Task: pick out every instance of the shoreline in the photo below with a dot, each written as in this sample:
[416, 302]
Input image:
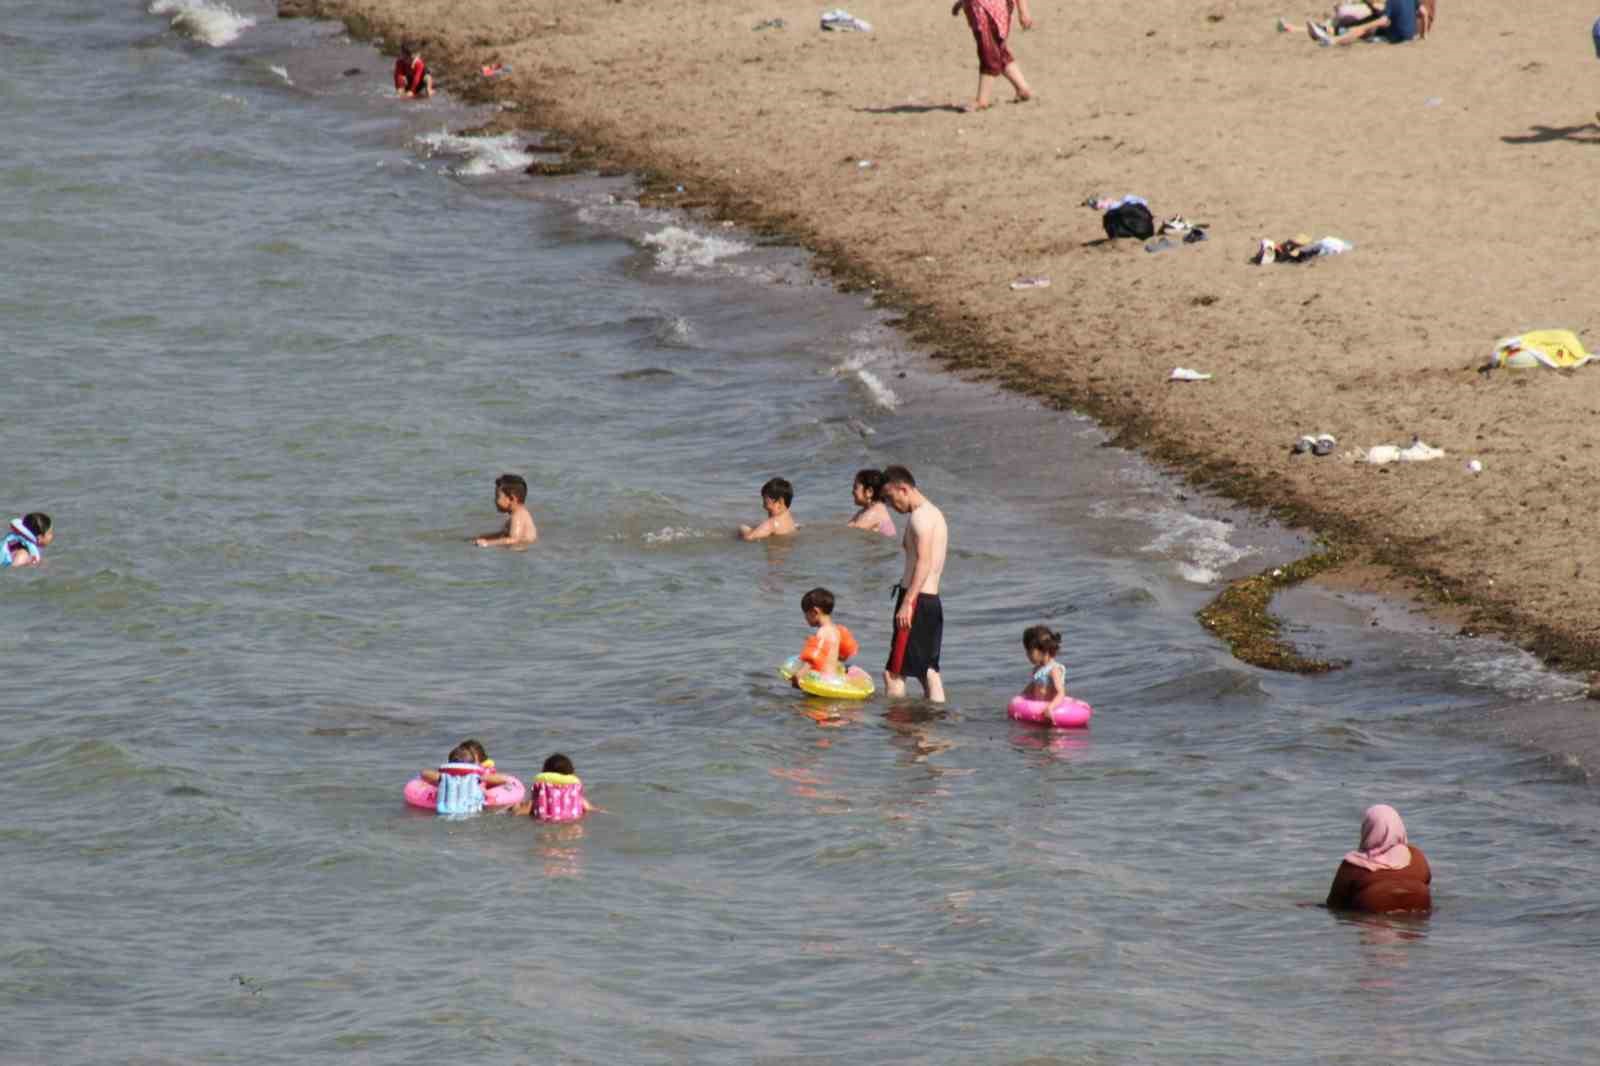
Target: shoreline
[1362, 545]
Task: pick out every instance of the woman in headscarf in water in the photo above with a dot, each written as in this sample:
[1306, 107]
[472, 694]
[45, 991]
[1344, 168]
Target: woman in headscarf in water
[1387, 873]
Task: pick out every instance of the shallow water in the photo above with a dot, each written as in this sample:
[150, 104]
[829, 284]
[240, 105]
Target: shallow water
[270, 337]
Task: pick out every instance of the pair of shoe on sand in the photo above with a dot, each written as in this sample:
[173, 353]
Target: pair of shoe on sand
[1321, 444]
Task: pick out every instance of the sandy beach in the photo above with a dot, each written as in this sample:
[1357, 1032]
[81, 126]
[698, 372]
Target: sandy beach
[1458, 167]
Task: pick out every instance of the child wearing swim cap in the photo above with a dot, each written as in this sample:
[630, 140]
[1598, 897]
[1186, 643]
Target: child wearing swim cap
[1049, 680]
[831, 645]
[868, 494]
[557, 793]
[776, 496]
[24, 541]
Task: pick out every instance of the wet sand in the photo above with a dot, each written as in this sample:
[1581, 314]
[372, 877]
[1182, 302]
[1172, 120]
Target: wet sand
[1459, 167]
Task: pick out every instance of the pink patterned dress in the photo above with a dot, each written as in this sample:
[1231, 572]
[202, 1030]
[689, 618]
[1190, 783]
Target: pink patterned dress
[991, 25]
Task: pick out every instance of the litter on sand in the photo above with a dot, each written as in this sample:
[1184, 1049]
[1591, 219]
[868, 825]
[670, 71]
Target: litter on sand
[1191, 235]
[840, 19]
[1298, 249]
[1030, 283]
[768, 24]
[1558, 349]
[1475, 466]
[1183, 373]
[1416, 452]
[1106, 203]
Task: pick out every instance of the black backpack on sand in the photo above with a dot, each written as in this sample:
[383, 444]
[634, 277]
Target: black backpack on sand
[1129, 220]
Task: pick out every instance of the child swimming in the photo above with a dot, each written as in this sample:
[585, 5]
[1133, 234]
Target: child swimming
[868, 494]
[29, 534]
[557, 794]
[827, 649]
[466, 775]
[1049, 681]
[776, 496]
[510, 499]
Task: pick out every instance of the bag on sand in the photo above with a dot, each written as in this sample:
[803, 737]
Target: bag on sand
[1129, 220]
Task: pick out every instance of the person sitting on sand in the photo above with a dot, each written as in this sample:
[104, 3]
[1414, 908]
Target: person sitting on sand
[1387, 873]
[776, 496]
[1399, 21]
[411, 75]
[1340, 19]
[510, 498]
[991, 25]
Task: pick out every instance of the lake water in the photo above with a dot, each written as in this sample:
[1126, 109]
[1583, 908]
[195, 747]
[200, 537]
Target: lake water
[268, 339]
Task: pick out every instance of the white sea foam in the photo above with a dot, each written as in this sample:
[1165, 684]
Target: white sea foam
[1513, 672]
[207, 21]
[480, 156]
[670, 534]
[1205, 541]
[857, 366]
[677, 332]
[1204, 545]
[882, 395]
[683, 251]
[282, 72]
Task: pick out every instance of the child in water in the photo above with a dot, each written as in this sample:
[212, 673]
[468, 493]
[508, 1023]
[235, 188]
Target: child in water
[776, 496]
[1049, 681]
[826, 651]
[411, 75]
[557, 793]
[469, 753]
[510, 499]
[462, 783]
[868, 494]
[22, 545]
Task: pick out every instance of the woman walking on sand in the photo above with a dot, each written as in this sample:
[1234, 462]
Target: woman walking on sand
[991, 25]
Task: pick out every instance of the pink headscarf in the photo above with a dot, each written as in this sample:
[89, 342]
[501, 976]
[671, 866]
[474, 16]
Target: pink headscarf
[1383, 841]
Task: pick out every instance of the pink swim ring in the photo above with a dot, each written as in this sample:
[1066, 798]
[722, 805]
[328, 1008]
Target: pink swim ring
[1071, 714]
[419, 793]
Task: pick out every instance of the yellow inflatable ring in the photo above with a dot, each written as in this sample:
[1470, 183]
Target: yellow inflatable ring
[856, 684]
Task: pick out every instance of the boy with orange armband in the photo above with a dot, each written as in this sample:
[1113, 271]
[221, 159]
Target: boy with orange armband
[831, 645]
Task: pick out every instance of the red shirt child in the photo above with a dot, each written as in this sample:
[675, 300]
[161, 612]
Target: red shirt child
[411, 76]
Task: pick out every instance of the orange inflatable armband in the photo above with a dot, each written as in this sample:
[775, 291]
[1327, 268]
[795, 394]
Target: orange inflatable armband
[847, 644]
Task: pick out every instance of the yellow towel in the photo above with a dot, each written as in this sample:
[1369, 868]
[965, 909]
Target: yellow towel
[1555, 348]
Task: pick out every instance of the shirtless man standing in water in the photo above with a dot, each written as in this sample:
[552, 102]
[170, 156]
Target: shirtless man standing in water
[918, 614]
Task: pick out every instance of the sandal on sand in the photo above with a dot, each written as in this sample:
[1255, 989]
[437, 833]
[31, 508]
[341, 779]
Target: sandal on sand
[1319, 34]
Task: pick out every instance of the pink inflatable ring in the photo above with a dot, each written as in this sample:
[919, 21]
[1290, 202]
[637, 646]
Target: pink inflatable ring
[1071, 714]
[419, 793]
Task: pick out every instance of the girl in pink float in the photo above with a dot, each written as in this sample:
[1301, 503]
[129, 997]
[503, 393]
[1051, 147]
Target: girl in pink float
[557, 793]
[1044, 701]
